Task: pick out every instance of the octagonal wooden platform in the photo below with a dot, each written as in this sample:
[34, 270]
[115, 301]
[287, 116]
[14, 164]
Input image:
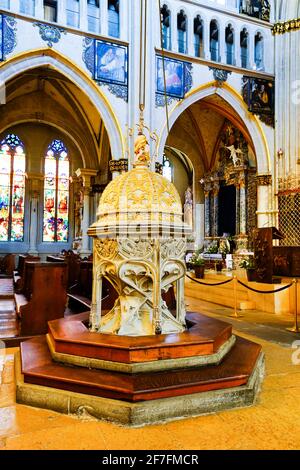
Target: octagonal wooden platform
[204, 337]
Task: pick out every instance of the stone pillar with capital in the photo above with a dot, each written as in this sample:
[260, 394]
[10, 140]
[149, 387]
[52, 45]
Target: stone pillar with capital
[264, 213]
[34, 191]
[237, 210]
[85, 175]
[215, 199]
[243, 205]
[207, 212]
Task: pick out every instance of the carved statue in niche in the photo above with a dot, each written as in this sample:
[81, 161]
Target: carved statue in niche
[78, 209]
[188, 207]
[234, 155]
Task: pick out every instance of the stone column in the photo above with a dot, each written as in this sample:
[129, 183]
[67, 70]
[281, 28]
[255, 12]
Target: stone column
[83, 23]
[14, 6]
[237, 210]
[34, 191]
[206, 40]
[190, 37]
[243, 206]
[174, 34]
[207, 213]
[251, 49]
[264, 209]
[237, 48]
[85, 175]
[222, 49]
[104, 17]
[39, 9]
[62, 12]
[215, 194]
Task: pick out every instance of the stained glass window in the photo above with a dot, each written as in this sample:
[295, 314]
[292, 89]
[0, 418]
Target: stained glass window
[12, 189]
[56, 194]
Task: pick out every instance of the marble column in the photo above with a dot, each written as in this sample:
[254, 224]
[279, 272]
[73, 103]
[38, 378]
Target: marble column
[35, 181]
[207, 213]
[86, 175]
[237, 209]
[243, 207]
[215, 194]
[34, 203]
[264, 208]
[104, 17]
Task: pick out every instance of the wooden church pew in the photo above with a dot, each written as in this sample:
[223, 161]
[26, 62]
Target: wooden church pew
[43, 297]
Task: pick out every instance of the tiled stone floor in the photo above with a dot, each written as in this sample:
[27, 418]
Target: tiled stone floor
[274, 423]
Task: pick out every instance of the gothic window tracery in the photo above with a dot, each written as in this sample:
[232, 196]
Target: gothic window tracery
[12, 189]
[56, 193]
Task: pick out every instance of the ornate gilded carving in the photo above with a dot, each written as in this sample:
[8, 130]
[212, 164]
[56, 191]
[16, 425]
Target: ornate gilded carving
[264, 180]
[106, 249]
[130, 248]
[286, 27]
[118, 165]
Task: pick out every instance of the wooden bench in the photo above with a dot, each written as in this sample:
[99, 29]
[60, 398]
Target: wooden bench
[72, 261]
[43, 296]
[7, 266]
[18, 275]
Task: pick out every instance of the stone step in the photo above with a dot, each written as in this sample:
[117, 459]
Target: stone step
[7, 384]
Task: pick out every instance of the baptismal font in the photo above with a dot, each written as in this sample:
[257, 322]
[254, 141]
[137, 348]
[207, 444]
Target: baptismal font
[142, 361]
[139, 247]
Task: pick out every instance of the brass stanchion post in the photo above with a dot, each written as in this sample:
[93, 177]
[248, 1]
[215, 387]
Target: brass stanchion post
[295, 328]
[235, 314]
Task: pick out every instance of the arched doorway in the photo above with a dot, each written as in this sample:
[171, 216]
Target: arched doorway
[221, 146]
[47, 101]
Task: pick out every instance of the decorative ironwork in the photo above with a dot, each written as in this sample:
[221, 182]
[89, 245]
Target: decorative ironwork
[259, 95]
[264, 180]
[289, 220]
[289, 209]
[50, 34]
[8, 37]
[286, 27]
[118, 165]
[220, 75]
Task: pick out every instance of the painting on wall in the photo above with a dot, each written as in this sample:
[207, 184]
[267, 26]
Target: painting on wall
[111, 64]
[256, 8]
[174, 82]
[259, 94]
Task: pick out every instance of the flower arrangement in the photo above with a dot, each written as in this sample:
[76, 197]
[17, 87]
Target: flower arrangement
[197, 259]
